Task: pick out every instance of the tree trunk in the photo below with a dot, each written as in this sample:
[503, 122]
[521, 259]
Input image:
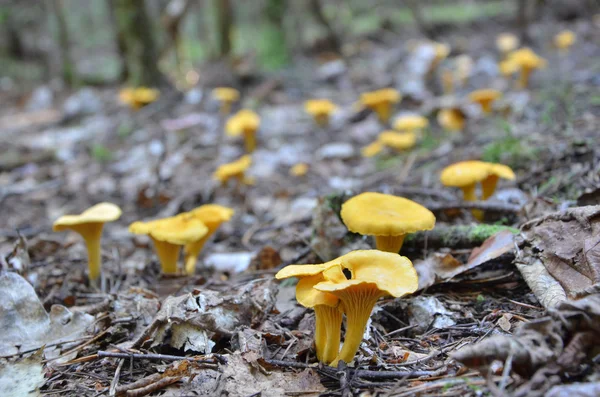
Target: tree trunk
[332, 38]
[135, 26]
[171, 20]
[274, 52]
[120, 39]
[64, 47]
[523, 21]
[417, 14]
[225, 21]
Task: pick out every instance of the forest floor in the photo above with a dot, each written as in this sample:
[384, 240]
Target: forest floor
[132, 333]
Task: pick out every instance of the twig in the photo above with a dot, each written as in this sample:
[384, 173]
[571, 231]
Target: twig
[113, 385]
[151, 388]
[77, 348]
[493, 206]
[150, 356]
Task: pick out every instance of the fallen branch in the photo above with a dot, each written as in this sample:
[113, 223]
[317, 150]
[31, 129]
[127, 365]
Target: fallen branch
[453, 236]
[149, 356]
[492, 206]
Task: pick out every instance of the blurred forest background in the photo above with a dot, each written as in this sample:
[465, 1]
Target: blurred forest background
[186, 42]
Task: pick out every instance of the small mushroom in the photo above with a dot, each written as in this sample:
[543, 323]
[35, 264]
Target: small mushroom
[328, 317]
[372, 149]
[466, 174]
[381, 102]
[464, 67]
[451, 119]
[526, 61]
[226, 96]
[299, 169]
[374, 274]
[410, 123]
[485, 98]
[507, 42]
[320, 110]
[138, 97]
[234, 170]
[246, 123]
[388, 218]
[169, 235]
[89, 225]
[212, 215]
[564, 40]
[398, 140]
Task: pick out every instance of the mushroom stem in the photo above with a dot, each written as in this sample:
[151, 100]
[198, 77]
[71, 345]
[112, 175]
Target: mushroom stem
[322, 119]
[486, 106]
[167, 256]
[358, 302]
[524, 78]
[327, 332]
[191, 252]
[488, 186]
[250, 140]
[225, 108]
[389, 243]
[92, 234]
[384, 111]
[469, 195]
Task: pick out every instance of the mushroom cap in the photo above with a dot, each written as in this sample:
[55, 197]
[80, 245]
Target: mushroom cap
[391, 273]
[441, 51]
[212, 215]
[465, 173]
[99, 213]
[410, 122]
[380, 214]
[244, 120]
[485, 95]
[226, 94]
[319, 106]
[526, 58]
[299, 270]
[451, 119]
[235, 168]
[508, 67]
[371, 149]
[180, 229]
[398, 140]
[145, 94]
[308, 296]
[564, 39]
[385, 95]
[299, 169]
[506, 42]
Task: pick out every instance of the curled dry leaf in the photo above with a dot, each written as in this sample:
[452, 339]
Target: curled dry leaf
[545, 347]
[196, 320]
[25, 325]
[568, 245]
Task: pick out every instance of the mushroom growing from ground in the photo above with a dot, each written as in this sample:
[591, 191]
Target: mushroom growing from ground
[388, 218]
[89, 225]
[464, 67]
[526, 61]
[299, 169]
[564, 40]
[328, 317]
[485, 98]
[138, 97]
[374, 274]
[506, 42]
[398, 141]
[372, 149]
[320, 110]
[234, 170]
[212, 215]
[466, 174]
[226, 96]
[169, 235]
[381, 102]
[410, 123]
[451, 119]
[246, 123]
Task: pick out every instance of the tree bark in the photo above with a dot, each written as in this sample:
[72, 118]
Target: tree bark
[332, 38]
[225, 21]
[274, 52]
[120, 40]
[135, 26]
[64, 46]
[523, 21]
